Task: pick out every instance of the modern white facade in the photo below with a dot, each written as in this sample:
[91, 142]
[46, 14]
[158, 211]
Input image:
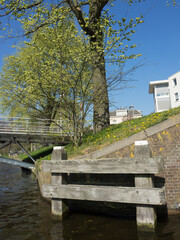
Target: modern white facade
[121, 115]
[174, 86]
[166, 92]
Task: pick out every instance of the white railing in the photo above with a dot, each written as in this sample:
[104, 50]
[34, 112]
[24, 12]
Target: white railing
[27, 125]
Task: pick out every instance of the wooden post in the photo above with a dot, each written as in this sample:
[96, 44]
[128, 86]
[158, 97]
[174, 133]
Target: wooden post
[59, 207]
[145, 216]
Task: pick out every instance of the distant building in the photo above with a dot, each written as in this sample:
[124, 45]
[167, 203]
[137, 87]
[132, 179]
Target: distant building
[121, 115]
[166, 92]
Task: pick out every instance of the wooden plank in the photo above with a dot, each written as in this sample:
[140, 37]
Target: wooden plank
[143, 196]
[145, 216]
[109, 166]
[58, 207]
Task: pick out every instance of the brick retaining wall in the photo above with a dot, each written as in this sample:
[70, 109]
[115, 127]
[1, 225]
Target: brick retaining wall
[164, 140]
[166, 144]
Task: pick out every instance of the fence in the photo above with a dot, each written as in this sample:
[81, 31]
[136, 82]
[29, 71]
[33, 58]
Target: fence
[27, 125]
[144, 195]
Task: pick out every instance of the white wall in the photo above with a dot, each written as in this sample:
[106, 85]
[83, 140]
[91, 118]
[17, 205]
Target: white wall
[120, 119]
[174, 89]
[161, 97]
[121, 112]
[116, 120]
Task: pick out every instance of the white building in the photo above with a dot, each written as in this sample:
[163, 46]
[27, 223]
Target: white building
[166, 92]
[121, 115]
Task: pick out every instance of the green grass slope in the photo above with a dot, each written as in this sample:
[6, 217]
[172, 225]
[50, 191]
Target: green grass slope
[113, 133]
[37, 154]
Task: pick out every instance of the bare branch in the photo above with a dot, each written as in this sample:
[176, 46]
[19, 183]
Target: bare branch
[79, 15]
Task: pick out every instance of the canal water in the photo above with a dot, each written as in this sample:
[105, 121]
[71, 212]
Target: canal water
[24, 215]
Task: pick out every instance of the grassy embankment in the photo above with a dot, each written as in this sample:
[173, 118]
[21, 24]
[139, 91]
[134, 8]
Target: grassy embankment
[108, 136]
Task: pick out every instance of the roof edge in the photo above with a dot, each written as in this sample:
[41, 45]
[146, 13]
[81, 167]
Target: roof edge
[153, 83]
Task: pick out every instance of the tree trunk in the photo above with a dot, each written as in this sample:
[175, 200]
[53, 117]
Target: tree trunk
[93, 29]
[100, 91]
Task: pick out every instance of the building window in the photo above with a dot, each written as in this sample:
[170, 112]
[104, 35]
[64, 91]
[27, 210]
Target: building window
[162, 94]
[114, 121]
[175, 82]
[176, 97]
[121, 112]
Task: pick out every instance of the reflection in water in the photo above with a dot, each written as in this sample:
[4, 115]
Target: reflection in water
[24, 215]
[57, 231]
[97, 227]
[146, 236]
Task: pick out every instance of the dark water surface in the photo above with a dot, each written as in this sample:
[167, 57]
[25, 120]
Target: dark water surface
[24, 215]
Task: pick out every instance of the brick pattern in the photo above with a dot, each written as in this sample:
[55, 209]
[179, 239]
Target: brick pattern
[166, 144]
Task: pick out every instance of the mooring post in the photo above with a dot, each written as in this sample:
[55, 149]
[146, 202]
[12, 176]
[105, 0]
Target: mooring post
[59, 208]
[145, 216]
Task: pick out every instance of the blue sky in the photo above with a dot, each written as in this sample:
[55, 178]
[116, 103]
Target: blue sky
[158, 39]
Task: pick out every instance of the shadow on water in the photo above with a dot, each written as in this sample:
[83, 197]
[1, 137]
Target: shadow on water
[24, 215]
[88, 227]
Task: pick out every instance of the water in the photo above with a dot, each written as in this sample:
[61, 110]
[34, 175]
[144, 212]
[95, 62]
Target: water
[24, 215]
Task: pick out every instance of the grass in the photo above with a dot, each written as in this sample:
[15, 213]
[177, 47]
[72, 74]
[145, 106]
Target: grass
[38, 154]
[118, 132]
[92, 142]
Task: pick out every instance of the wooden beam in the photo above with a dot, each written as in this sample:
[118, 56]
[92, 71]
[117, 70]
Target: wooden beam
[132, 195]
[59, 208]
[145, 216]
[110, 166]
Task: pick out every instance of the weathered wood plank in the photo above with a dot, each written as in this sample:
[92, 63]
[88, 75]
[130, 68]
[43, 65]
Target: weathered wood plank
[145, 216]
[109, 166]
[143, 196]
[58, 207]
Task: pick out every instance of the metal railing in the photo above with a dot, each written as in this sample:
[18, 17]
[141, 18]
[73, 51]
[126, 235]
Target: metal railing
[33, 126]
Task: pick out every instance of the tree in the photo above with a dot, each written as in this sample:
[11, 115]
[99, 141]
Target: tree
[92, 27]
[50, 77]
[96, 24]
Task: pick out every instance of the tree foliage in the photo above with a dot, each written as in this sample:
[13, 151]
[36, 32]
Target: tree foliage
[106, 37]
[50, 77]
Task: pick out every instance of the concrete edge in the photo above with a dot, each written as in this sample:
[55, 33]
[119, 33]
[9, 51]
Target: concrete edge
[170, 122]
[163, 125]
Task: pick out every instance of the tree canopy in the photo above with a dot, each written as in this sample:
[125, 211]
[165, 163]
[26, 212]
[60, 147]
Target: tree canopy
[50, 77]
[105, 36]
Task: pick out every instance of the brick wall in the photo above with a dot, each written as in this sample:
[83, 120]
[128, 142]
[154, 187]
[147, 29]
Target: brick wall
[165, 143]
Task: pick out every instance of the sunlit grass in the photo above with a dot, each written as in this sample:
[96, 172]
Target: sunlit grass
[114, 133]
[38, 154]
[118, 132]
